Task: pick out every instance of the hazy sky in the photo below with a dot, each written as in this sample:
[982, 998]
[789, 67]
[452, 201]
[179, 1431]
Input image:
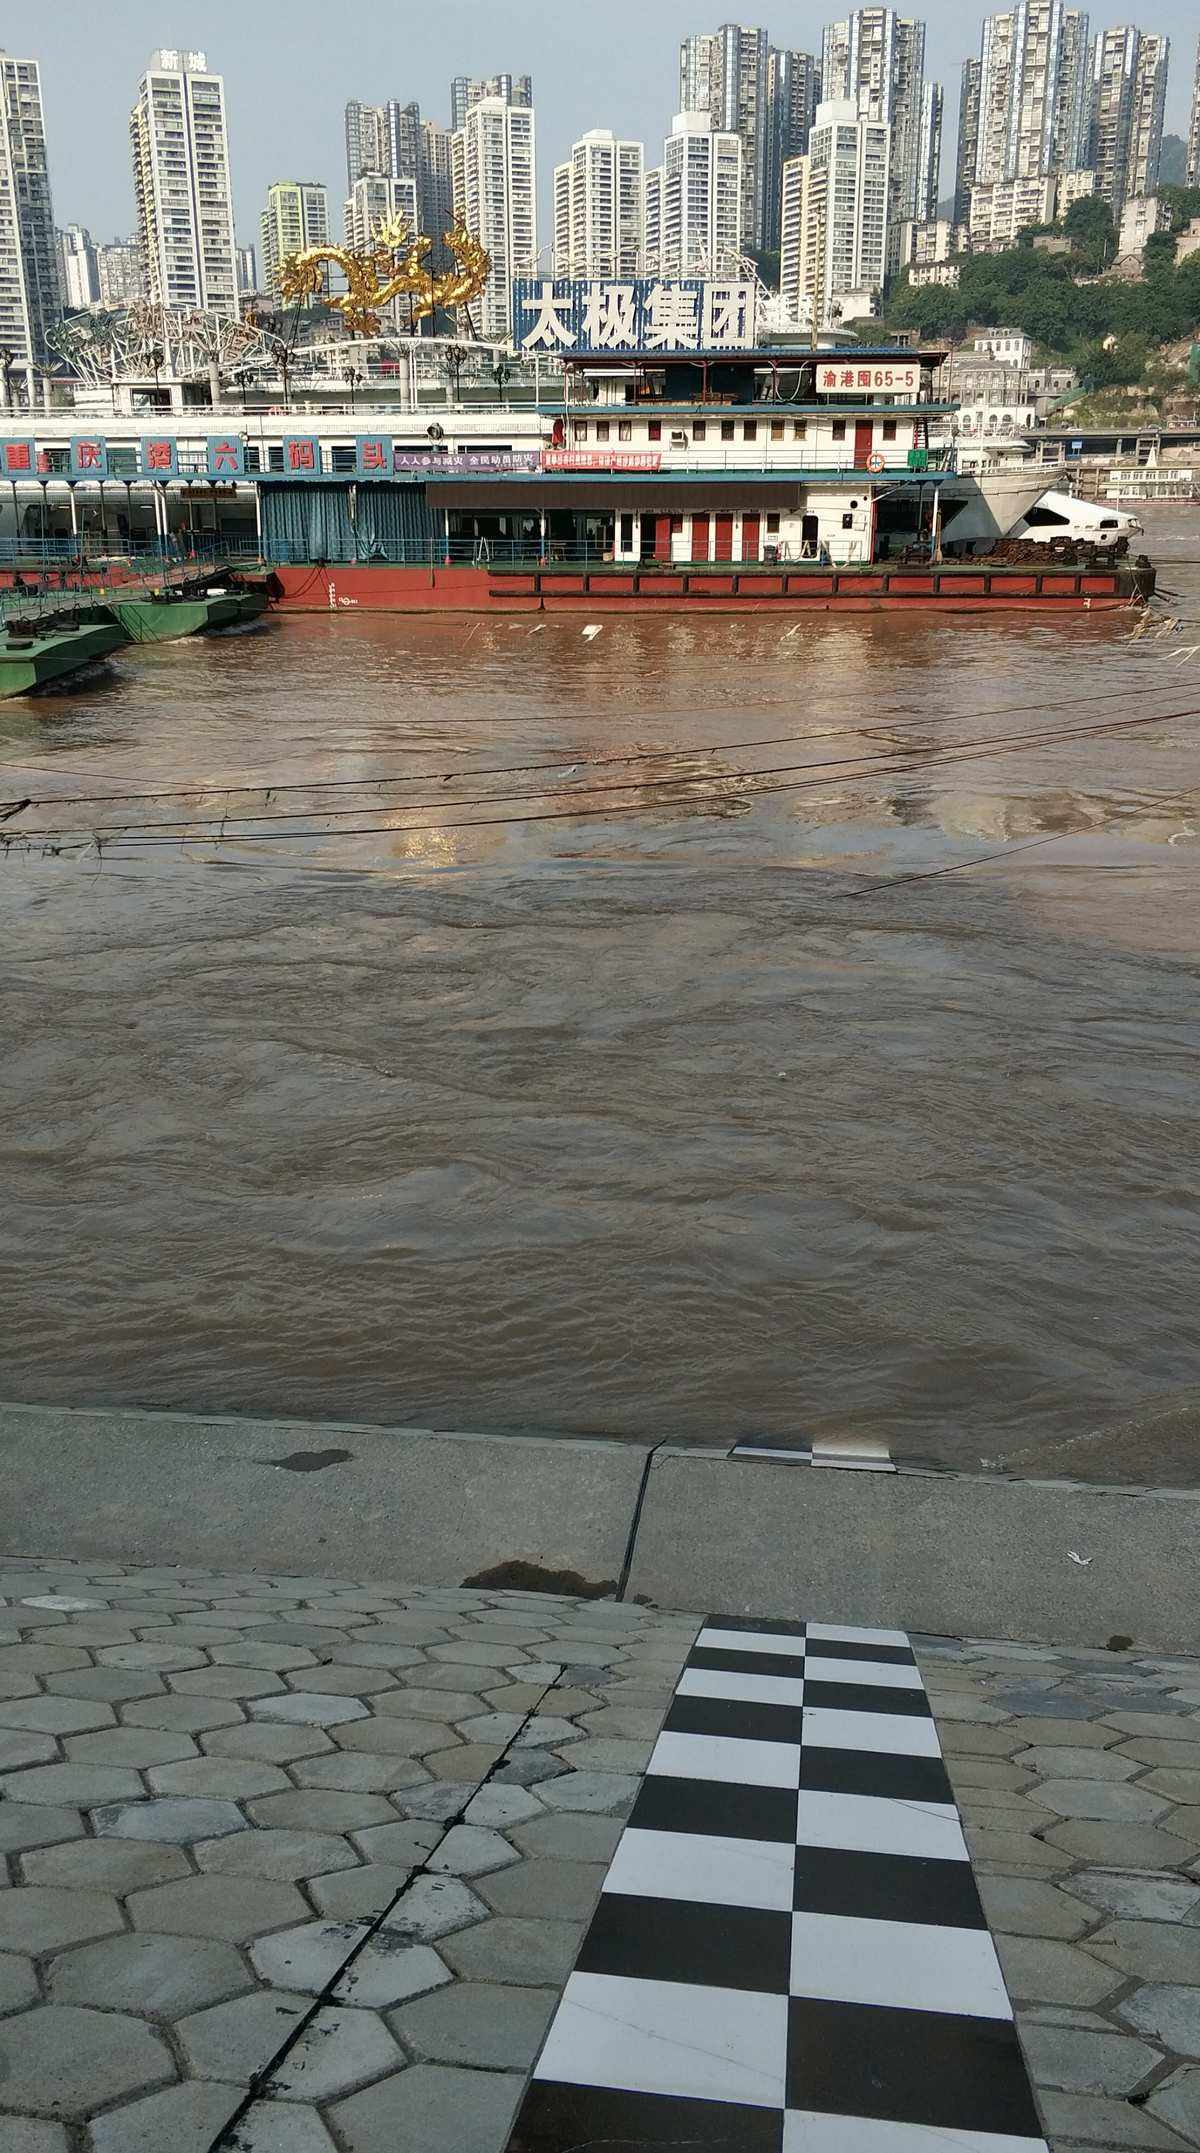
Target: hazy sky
[290, 65]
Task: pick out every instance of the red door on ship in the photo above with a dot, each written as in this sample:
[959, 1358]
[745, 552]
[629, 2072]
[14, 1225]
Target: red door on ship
[750, 529]
[662, 538]
[864, 441]
[699, 538]
[723, 539]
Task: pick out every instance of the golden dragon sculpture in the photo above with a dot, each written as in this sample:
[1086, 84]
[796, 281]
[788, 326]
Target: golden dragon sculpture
[391, 265]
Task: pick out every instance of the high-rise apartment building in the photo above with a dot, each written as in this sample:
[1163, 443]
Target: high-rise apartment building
[437, 186]
[468, 90]
[493, 165]
[180, 148]
[599, 226]
[1128, 94]
[296, 216]
[1071, 125]
[247, 271]
[929, 155]
[367, 147]
[739, 105]
[1030, 97]
[835, 215]
[793, 87]
[374, 200]
[652, 216]
[695, 74]
[30, 297]
[968, 138]
[700, 224]
[79, 274]
[1192, 168]
[120, 274]
[875, 59]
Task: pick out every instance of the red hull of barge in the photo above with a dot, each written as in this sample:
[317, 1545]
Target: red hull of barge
[974, 587]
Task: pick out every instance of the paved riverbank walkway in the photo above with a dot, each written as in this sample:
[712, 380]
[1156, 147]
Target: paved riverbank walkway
[293, 1864]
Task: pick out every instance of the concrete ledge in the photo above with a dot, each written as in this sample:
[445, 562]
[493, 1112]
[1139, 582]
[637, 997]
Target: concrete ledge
[951, 1553]
[406, 1503]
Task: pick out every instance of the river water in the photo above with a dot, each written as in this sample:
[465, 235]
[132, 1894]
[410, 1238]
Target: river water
[687, 1116]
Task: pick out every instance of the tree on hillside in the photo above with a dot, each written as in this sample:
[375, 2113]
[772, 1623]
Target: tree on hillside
[1088, 225]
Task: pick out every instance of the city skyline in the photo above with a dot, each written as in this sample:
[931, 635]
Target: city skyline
[88, 153]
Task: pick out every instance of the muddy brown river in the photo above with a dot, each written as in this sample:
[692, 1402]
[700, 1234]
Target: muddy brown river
[828, 1064]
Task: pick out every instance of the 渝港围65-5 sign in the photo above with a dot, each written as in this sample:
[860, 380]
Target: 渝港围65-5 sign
[553, 314]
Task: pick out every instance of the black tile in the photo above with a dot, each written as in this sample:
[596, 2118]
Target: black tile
[887, 1887]
[734, 1719]
[724, 1947]
[752, 1622]
[860, 1771]
[825, 1648]
[926, 2067]
[712, 1806]
[556, 2118]
[866, 1697]
[748, 1663]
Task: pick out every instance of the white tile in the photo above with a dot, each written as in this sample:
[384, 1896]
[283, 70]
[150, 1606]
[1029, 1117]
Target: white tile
[806, 2132]
[909, 1965]
[848, 1464]
[718, 1756]
[870, 1824]
[882, 1674]
[672, 2037]
[849, 1446]
[710, 1871]
[837, 1633]
[749, 1689]
[893, 1734]
[718, 1640]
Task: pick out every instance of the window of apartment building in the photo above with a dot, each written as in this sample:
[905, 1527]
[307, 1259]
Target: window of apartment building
[799, 429]
[700, 430]
[581, 426]
[654, 430]
[602, 429]
[624, 429]
[839, 429]
[777, 429]
[727, 429]
[889, 429]
[750, 430]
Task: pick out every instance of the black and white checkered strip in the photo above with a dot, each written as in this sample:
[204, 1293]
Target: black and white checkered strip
[789, 1955]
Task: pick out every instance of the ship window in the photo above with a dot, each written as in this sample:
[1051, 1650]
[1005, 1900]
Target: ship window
[750, 430]
[700, 430]
[777, 429]
[581, 426]
[654, 430]
[772, 520]
[624, 429]
[889, 429]
[602, 429]
[839, 429]
[799, 429]
[727, 429]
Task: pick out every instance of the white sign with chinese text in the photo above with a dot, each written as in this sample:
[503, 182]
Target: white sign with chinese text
[644, 314]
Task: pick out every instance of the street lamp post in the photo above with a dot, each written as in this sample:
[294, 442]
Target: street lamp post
[354, 375]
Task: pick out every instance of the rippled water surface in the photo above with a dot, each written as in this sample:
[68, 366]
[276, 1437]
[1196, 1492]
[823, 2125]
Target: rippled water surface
[656, 1102]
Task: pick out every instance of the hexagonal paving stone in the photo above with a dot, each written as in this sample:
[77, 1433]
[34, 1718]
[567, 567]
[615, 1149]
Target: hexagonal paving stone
[1098, 1800]
[405, 1845]
[63, 2060]
[158, 1659]
[55, 1715]
[179, 1714]
[1164, 1951]
[342, 2048]
[558, 1890]
[440, 2110]
[1080, 2061]
[1041, 1970]
[235, 1908]
[435, 1906]
[266, 1745]
[171, 1821]
[527, 1953]
[43, 1917]
[106, 1685]
[493, 2027]
[394, 1737]
[472, 1850]
[1137, 1897]
[388, 1970]
[1121, 1846]
[17, 1749]
[31, 1824]
[116, 1865]
[135, 1746]
[234, 1682]
[279, 1856]
[160, 1976]
[578, 1837]
[235, 2041]
[18, 1982]
[358, 1771]
[344, 1681]
[235, 1779]
[280, 2127]
[358, 1894]
[1167, 2011]
[24, 2134]
[185, 2118]
[1024, 1906]
[1177, 2102]
[446, 1706]
[321, 1809]
[604, 1793]
[1061, 1763]
[309, 1708]
[82, 1784]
